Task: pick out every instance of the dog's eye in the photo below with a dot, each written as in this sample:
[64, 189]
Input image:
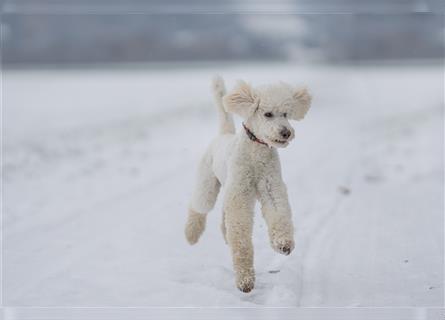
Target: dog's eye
[268, 115]
[285, 115]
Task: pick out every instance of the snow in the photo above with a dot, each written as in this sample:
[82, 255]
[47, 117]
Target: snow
[99, 165]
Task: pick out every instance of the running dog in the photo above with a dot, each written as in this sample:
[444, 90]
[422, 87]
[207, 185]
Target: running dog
[247, 166]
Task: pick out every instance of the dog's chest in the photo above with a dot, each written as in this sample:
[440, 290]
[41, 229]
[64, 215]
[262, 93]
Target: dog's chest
[258, 162]
[262, 164]
[243, 158]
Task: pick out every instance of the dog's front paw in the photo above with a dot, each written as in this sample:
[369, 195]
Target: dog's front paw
[283, 246]
[246, 282]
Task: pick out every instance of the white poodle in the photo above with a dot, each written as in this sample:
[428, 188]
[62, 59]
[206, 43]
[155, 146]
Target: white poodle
[247, 165]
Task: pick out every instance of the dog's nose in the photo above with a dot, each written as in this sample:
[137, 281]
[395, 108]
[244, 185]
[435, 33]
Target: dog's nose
[285, 133]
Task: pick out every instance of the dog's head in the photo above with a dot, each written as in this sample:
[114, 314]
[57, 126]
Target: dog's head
[267, 110]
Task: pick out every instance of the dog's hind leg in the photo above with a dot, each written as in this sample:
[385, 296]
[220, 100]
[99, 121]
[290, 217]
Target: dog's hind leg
[203, 200]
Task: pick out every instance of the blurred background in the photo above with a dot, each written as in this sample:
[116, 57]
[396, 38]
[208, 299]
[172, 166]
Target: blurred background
[107, 110]
[89, 32]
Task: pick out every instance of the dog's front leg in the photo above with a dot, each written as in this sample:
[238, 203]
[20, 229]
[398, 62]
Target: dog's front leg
[239, 204]
[276, 211]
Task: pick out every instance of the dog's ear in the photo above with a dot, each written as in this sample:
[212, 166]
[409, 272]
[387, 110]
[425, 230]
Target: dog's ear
[241, 100]
[302, 100]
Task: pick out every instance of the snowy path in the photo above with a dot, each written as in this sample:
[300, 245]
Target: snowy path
[98, 167]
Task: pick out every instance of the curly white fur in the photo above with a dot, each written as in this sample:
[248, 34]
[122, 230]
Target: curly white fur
[248, 171]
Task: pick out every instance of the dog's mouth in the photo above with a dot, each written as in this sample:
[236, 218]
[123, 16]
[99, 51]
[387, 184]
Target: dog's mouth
[280, 141]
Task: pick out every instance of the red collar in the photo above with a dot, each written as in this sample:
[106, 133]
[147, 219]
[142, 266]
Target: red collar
[252, 136]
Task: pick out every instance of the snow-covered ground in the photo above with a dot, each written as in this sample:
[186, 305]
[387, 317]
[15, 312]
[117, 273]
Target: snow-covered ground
[99, 165]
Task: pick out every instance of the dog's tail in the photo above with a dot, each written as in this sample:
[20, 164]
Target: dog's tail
[226, 124]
